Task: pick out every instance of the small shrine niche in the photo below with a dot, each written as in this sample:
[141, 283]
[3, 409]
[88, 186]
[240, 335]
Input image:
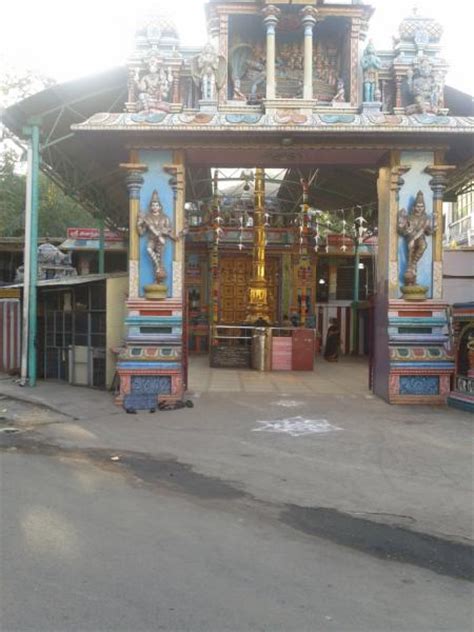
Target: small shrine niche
[419, 70]
[330, 60]
[248, 57]
[154, 68]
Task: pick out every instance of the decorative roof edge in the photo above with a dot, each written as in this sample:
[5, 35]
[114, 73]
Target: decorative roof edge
[285, 121]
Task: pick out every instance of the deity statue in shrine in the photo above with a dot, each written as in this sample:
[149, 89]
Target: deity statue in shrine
[340, 95]
[157, 225]
[414, 227]
[208, 71]
[257, 71]
[154, 87]
[371, 64]
[426, 85]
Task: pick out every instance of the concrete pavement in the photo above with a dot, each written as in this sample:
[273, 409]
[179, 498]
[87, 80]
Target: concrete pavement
[398, 465]
[86, 548]
[261, 508]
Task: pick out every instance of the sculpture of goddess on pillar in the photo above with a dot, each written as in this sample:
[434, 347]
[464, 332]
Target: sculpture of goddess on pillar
[309, 19]
[271, 15]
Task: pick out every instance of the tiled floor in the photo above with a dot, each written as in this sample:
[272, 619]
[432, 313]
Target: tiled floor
[346, 377]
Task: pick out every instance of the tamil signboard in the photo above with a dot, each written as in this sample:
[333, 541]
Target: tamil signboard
[93, 233]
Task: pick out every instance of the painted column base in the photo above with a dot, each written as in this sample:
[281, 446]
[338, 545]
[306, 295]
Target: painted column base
[420, 387]
[151, 362]
[420, 366]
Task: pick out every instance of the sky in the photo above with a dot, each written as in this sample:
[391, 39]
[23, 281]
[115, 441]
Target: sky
[67, 40]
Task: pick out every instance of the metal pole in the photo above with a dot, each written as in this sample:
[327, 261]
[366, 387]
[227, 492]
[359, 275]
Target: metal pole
[214, 261]
[303, 260]
[26, 269]
[355, 302]
[33, 255]
[101, 245]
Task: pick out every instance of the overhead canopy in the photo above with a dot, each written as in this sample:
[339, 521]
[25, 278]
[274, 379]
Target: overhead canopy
[87, 170]
[76, 280]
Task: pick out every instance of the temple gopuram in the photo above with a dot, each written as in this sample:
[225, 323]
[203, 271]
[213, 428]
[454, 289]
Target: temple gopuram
[281, 176]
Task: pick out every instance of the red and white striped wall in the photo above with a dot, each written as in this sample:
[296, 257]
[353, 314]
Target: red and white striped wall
[342, 311]
[10, 334]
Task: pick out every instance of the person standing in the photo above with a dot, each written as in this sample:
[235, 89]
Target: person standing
[333, 340]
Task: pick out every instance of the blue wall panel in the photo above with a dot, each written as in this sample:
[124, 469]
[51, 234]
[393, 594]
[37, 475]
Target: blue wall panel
[417, 180]
[156, 178]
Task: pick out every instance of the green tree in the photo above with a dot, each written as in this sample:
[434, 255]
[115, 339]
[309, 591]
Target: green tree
[57, 211]
[12, 195]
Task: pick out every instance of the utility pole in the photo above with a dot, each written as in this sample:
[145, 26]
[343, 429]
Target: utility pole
[30, 294]
[26, 270]
[101, 245]
[355, 301]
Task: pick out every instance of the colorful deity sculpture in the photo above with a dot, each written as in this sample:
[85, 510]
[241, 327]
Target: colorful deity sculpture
[157, 225]
[426, 85]
[414, 227]
[340, 95]
[257, 72]
[154, 87]
[208, 71]
[371, 65]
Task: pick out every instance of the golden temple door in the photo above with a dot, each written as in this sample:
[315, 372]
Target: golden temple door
[235, 275]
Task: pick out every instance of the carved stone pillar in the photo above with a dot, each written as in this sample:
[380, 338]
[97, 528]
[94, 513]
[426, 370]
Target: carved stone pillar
[213, 29]
[177, 183]
[438, 182]
[396, 183]
[308, 18]
[399, 76]
[411, 364]
[270, 18]
[358, 33]
[134, 181]
[224, 51]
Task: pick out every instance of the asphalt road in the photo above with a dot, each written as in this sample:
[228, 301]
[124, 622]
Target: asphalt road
[145, 543]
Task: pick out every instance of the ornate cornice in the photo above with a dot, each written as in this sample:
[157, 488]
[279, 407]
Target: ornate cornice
[284, 121]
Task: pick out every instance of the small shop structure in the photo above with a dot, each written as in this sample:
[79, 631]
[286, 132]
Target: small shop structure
[80, 327]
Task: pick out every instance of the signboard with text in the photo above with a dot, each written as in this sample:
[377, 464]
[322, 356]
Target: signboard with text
[93, 233]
